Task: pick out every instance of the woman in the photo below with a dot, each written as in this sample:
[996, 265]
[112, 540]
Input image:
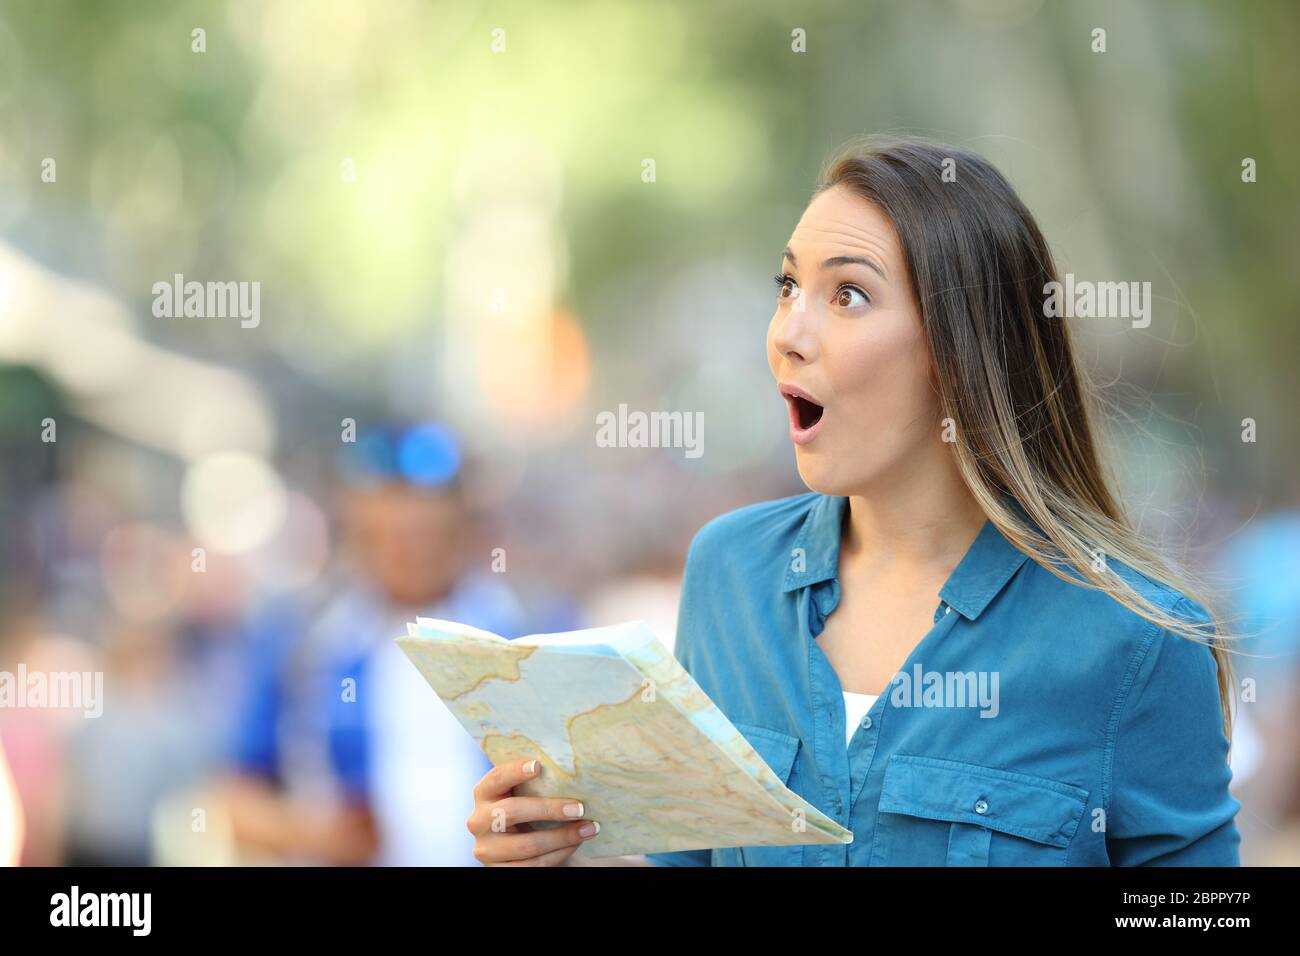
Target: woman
[1019, 678]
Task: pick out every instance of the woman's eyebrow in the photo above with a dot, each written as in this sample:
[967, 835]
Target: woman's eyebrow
[841, 261]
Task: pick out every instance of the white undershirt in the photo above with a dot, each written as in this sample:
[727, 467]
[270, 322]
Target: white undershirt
[855, 708]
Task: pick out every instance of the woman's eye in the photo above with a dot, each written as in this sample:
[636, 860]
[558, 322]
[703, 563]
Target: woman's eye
[785, 286]
[844, 297]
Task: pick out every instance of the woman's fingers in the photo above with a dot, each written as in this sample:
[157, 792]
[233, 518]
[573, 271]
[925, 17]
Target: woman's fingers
[554, 858]
[501, 779]
[509, 812]
[530, 848]
[500, 821]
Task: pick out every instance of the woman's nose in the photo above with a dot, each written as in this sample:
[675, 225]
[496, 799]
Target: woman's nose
[794, 337]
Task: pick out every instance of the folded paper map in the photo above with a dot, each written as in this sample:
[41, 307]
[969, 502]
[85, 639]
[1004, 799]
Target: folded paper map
[619, 724]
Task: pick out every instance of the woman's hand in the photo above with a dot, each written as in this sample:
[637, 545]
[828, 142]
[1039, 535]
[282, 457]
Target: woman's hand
[500, 821]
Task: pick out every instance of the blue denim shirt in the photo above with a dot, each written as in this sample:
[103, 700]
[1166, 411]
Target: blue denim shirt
[1037, 723]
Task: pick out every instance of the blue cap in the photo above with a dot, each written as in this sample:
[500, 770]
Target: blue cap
[427, 455]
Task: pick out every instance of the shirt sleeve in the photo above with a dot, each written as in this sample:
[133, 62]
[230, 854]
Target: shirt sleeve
[255, 746]
[1170, 802]
[684, 649]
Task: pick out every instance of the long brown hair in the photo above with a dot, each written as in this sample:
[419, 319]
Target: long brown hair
[1006, 374]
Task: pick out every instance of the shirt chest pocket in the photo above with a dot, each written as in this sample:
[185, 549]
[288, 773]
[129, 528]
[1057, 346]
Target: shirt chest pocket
[778, 751]
[936, 812]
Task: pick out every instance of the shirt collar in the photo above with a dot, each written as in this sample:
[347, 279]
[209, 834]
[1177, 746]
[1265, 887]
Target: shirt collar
[981, 574]
[815, 556]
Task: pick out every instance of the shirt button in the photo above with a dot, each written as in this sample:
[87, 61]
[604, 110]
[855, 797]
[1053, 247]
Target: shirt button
[866, 723]
[981, 806]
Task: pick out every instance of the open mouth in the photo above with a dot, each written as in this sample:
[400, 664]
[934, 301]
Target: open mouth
[808, 413]
[805, 412]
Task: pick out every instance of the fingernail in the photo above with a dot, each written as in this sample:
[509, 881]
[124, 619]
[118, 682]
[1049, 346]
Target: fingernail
[573, 809]
[530, 768]
[591, 829]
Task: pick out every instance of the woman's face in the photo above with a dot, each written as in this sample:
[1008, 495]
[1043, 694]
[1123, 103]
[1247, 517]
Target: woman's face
[847, 349]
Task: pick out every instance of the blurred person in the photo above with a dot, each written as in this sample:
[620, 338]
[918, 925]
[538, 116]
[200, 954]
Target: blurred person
[346, 755]
[38, 739]
[143, 746]
[960, 522]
